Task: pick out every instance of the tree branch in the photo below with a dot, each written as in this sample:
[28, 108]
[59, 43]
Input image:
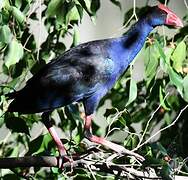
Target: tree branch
[163, 129]
[85, 162]
[29, 161]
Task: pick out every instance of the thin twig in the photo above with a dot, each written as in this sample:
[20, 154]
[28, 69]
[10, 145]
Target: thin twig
[186, 5]
[40, 24]
[163, 129]
[134, 15]
[27, 42]
[117, 115]
[147, 125]
[51, 161]
[178, 169]
[92, 173]
[134, 10]
[164, 36]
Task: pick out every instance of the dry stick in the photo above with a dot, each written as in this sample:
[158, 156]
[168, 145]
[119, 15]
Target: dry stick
[163, 129]
[134, 10]
[178, 169]
[92, 173]
[51, 161]
[110, 123]
[27, 42]
[40, 24]
[28, 161]
[186, 5]
[147, 125]
[129, 20]
[115, 118]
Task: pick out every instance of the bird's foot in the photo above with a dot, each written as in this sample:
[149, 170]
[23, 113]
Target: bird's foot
[115, 147]
[64, 159]
[123, 151]
[99, 140]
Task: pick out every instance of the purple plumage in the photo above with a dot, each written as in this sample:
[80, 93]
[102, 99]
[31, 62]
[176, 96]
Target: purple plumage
[84, 73]
[87, 72]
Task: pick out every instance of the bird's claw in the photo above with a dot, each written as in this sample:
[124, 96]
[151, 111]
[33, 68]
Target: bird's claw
[123, 151]
[64, 159]
[131, 153]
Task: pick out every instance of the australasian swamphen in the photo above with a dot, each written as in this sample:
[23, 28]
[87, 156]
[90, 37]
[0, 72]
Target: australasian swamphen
[86, 73]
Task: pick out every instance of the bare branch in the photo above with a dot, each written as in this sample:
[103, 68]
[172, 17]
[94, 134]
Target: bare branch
[163, 129]
[134, 15]
[40, 24]
[51, 161]
[186, 5]
[147, 125]
[29, 161]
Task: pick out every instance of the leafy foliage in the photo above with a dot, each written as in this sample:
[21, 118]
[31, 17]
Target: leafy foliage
[153, 103]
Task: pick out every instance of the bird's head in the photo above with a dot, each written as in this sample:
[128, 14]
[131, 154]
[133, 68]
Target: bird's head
[159, 15]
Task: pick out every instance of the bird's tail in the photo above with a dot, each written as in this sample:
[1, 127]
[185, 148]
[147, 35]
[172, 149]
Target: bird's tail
[23, 102]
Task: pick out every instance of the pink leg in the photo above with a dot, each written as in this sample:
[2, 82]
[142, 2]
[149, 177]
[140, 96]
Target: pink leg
[57, 140]
[115, 147]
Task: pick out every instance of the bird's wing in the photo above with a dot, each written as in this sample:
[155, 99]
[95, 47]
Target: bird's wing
[79, 71]
[74, 76]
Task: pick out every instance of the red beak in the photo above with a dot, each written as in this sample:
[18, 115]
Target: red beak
[172, 19]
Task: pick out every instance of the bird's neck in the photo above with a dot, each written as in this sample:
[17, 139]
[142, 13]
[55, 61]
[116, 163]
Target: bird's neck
[125, 48]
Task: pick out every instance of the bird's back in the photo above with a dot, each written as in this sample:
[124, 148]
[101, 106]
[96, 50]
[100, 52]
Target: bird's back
[73, 76]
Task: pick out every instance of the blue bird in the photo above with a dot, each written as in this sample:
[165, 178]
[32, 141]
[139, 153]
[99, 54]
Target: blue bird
[86, 73]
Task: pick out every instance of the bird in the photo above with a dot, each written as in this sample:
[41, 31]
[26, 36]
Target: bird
[86, 73]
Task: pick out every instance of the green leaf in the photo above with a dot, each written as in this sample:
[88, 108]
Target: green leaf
[5, 34]
[176, 80]
[117, 3]
[10, 176]
[15, 152]
[72, 15]
[161, 149]
[95, 5]
[55, 170]
[39, 144]
[16, 124]
[132, 91]
[162, 54]
[18, 3]
[162, 101]
[76, 37]
[109, 112]
[86, 4]
[80, 10]
[131, 141]
[1, 113]
[122, 121]
[151, 63]
[1, 4]
[53, 6]
[179, 56]
[164, 61]
[167, 119]
[168, 53]
[167, 172]
[4, 4]
[185, 88]
[2, 47]
[20, 17]
[15, 53]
